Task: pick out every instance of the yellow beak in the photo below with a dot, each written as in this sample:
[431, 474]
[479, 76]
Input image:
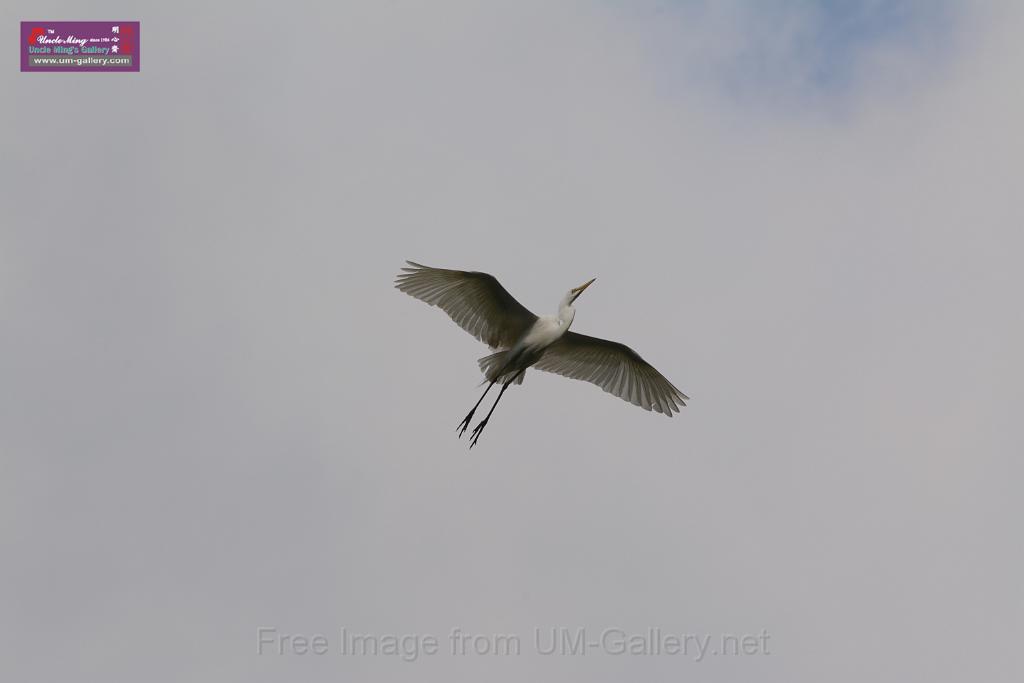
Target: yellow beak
[586, 284]
[579, 290]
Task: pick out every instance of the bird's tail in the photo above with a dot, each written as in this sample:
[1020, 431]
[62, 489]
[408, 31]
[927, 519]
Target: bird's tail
[495, 368]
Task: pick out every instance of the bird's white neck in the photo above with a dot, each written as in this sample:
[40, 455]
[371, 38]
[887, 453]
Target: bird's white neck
[565, 314]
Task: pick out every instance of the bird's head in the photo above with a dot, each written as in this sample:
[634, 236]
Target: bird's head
[573, 293]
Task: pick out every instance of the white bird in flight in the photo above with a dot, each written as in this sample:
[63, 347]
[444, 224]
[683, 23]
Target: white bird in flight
[480, 305]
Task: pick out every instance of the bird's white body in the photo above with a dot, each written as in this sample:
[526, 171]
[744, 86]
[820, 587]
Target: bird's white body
[530, 346]
[547, 330]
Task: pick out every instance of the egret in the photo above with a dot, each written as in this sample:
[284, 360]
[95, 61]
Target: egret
[519, 339]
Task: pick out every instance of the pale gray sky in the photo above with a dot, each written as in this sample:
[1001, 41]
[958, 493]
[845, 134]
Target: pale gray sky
[219, 415]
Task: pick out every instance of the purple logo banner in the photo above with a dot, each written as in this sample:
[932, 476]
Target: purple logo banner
[79, 46]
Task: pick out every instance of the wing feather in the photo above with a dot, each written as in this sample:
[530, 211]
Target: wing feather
[475, 301]
[614, 367]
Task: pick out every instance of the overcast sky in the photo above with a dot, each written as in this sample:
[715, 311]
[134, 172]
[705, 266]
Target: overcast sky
[218, 414]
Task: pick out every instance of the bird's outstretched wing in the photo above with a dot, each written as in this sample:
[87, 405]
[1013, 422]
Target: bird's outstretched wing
[475, 301]
[614, 367]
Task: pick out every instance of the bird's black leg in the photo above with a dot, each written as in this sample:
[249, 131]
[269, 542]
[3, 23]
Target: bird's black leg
[483, 423]
[461, 429]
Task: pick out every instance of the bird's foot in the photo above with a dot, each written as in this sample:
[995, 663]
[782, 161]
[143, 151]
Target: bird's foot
[464, 425]
[477, 431]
